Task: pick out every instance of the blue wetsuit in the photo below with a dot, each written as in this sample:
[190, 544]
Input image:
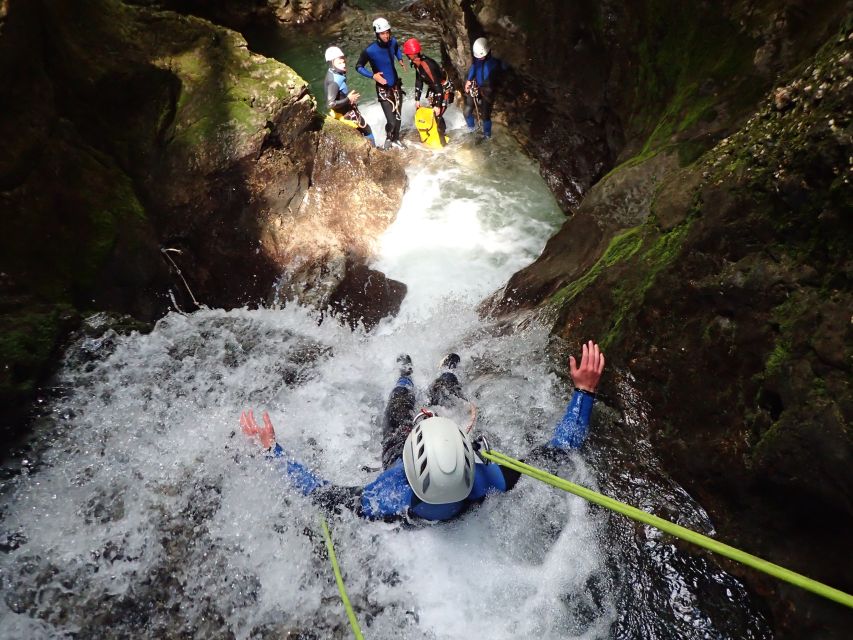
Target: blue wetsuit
[336, 88]
[381, 57]
[391, 496]
[485, 72]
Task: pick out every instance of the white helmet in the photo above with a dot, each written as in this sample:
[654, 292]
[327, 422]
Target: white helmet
[480, 48]
[381, 25]
[439, 461]
[333, 53]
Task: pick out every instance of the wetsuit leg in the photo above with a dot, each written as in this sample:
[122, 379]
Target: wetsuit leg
[397, 421]
[487, 101]
[442, 125]
[391, 100]
[468, 112]
[444, 389]
[398, 110]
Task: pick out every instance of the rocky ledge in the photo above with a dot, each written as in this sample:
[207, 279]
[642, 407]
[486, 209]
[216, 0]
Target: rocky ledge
[154, 162]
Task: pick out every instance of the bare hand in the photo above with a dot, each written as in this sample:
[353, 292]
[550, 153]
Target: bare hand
[353, 96]
[379, 78]
[587, 375]
[467, 86]
[265, 434]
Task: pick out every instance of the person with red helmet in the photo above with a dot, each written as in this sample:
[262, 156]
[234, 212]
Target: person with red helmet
[439, 89]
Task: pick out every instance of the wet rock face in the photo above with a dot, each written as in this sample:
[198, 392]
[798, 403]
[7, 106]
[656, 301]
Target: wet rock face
[356, 194]
[723, 284]
[242, 13]
[154, 162]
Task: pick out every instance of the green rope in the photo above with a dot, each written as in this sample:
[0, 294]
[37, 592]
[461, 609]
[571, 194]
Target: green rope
[340, 580]
[674, 529]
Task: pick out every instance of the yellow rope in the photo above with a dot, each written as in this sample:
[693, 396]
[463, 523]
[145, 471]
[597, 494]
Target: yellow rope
[669, 527]
[340, 580]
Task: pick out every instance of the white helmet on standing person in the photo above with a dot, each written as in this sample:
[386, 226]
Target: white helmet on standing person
[333, 53]
[381, 25]
[480, 48]
[439, 461]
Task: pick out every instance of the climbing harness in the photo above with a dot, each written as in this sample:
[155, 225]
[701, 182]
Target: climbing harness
[392, 95]
[330, 547]
[673, 529]
[474, 92]
[423, 414]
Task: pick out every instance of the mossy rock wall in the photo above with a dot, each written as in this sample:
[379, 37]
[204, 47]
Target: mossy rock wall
[723, 285]
[152, 162]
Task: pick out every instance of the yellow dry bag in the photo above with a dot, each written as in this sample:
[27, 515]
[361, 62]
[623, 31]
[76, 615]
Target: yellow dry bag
[427, 125]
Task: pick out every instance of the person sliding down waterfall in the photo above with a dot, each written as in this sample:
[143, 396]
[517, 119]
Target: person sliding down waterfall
[431, 466]
[439, 93]
[483, 75]
[343, 103]
[389, 86]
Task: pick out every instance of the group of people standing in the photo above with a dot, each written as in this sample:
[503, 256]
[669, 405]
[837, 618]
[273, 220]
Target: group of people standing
[431, 82]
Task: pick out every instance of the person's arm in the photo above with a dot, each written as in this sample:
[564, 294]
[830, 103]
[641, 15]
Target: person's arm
[360, 65]
[419, 85]
[328, 496]
[571, 431]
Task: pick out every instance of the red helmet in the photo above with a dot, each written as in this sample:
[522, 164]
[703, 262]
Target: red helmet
[412, 47]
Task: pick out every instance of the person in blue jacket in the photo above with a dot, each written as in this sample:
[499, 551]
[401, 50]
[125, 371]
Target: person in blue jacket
[389, 85]
[343, 103]
[431, 467]
[480, 83]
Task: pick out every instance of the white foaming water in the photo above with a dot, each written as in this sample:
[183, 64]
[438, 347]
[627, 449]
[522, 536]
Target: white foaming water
[148, 514]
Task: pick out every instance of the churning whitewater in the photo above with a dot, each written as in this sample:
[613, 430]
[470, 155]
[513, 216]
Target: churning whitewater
[141, 510]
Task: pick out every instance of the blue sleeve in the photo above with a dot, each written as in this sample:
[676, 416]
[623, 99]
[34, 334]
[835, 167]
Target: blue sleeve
[571, 431]
[388, 495]
[399, 52]
[359, 66]
[297, 473]
[488, 478]
[470, 75]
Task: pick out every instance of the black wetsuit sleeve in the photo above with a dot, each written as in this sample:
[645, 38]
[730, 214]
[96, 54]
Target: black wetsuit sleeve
[419, 85]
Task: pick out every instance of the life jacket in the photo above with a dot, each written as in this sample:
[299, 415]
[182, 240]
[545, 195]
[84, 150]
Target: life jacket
[427, 126]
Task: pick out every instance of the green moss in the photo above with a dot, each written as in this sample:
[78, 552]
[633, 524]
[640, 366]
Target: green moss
[26, 342]
[778, 357]
[682, 56]
[629, 297]
[621, 248]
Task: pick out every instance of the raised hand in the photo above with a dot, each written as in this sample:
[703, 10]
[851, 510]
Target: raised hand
[587, 375]
[265, 434]
[353, 97]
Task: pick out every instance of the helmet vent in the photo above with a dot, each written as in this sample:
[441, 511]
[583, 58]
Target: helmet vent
[423, 466]
[425, 484]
